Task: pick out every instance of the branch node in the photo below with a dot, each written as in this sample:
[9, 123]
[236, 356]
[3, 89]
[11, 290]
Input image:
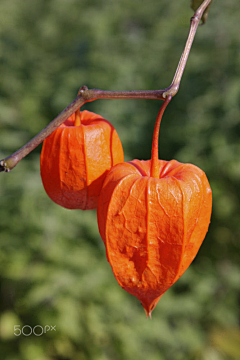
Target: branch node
[172, 90]
[84, 92]
[196, 18]
[82, 89]
[3, 166]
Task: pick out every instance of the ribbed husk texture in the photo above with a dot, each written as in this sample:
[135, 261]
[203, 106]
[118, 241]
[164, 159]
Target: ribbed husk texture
[76, 159]
[153, 228]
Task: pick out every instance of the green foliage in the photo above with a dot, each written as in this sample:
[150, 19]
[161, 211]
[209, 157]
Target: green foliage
[53, 269]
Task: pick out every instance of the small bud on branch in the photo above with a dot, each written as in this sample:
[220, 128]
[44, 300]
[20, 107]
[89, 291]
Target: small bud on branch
[86, 95]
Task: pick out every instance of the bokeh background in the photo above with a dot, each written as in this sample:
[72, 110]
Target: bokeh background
[53, 268]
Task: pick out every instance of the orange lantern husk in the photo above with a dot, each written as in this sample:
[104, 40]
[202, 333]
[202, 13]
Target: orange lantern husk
[76, 158]
[153, 227]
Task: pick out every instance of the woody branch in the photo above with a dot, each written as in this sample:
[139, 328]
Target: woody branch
[87, 95]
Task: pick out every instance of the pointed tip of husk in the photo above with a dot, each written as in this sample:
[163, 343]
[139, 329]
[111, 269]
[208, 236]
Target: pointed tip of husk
[148, 313]
[150, 306]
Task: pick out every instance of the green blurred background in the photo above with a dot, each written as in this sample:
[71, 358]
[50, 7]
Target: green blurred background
[53, 269]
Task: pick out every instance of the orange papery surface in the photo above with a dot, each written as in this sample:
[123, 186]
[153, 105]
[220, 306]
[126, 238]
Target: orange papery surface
[76, 158]
[153, 227]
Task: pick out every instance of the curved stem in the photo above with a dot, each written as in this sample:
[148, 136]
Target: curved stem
[86, 95]
[154, 159]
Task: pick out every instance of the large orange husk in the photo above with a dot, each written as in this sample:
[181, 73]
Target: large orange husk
[75, 160]
[153, 228]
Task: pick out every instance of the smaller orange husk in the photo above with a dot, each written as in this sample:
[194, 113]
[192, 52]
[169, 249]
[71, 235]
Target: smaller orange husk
[76, 158]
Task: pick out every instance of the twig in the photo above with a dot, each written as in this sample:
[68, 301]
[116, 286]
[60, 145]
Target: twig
[87, 95]
[173, 88]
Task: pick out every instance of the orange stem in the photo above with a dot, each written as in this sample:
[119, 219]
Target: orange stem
[77, 121]
[154, 159]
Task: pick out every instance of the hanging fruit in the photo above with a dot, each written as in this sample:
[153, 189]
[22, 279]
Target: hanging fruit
[76, 157]
[153, 216]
